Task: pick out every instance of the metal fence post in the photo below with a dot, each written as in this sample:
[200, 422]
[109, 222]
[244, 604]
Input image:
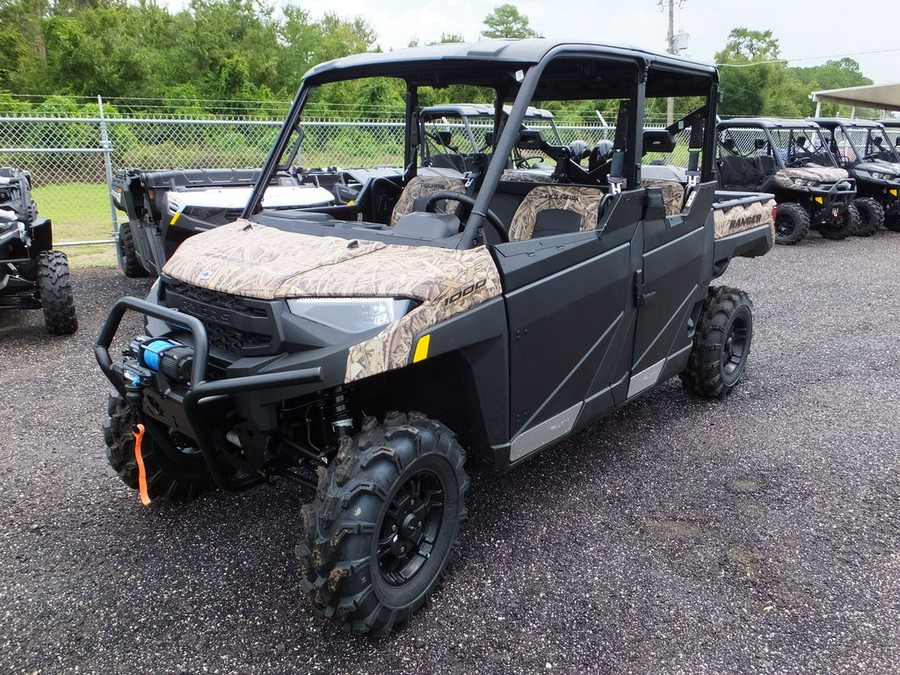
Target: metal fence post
[107, 164]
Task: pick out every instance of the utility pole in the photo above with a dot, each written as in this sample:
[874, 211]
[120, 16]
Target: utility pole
[670, 49]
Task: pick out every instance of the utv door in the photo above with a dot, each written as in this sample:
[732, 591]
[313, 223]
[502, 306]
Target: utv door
[672, 279]
[570, 308]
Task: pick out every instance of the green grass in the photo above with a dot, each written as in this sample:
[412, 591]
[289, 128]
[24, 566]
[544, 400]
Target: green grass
[79, 212]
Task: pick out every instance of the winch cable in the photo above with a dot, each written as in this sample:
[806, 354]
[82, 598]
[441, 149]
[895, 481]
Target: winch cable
[139, 458]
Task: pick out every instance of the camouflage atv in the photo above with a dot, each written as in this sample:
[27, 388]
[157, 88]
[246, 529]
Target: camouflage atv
[789, 158]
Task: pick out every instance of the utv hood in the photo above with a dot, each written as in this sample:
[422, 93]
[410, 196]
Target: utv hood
[251, 260]
[880, 170]
[805, 177]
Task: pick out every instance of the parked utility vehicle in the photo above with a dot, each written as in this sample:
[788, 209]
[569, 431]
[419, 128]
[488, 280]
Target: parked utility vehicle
[892, 129]
[164, 208]
[373, 349]
[32, 274]
[776, 156]
[862, 148]
[458, 136]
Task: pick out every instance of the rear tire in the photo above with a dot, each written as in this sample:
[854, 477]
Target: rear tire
[892, 218]
[378, 536]
[871, 216]
[131, 264]
[176, 472]
[721, 343]
[844, 227]
[55, 290]
[791, 223]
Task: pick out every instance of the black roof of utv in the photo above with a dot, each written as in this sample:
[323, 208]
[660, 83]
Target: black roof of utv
[490, 62]
[834, 122]
[767, 123]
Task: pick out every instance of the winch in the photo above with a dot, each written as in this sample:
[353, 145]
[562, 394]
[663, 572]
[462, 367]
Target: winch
[171, 358]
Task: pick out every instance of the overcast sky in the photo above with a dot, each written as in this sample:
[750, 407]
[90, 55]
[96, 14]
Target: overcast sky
[812, 31]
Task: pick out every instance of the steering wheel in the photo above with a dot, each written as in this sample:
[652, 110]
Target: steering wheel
[799, 161]
[522, 162]
[445, 195]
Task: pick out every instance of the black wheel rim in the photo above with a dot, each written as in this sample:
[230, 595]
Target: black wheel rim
[410, 528]
[784, 227]
[177, 448]
[734, 351]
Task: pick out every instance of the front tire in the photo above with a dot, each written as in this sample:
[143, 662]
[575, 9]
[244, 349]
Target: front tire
[871, 216]
[892, 218]
[175, 470]
[378, 536]
[721, 343]
[791, 223]
[55, 290]
[843, 228]
[131, 264]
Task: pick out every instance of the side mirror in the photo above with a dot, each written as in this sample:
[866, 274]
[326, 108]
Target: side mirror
[759, 144]
[444, 137]
[489, 139]
[530, 139]
[658, 140]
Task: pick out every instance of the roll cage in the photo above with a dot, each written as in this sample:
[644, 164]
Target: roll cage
[789, 142]
[522, 72]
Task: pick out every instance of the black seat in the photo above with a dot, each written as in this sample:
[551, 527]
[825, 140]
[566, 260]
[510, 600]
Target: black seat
[741, 173]
[766, 164]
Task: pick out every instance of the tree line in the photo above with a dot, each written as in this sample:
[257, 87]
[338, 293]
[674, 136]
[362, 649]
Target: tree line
[246, 52]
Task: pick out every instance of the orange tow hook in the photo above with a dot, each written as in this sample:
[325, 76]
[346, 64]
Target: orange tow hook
[142, 472]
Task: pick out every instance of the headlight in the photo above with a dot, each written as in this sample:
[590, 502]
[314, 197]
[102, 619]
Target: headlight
[351, 315]
[806, 183]
[879, 175]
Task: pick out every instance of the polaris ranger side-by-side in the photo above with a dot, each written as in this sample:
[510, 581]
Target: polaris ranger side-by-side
[863, 149]
[776, 156]
[32, 274]
[370, 350]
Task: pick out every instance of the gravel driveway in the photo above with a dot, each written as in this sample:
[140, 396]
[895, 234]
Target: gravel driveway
[757, 535]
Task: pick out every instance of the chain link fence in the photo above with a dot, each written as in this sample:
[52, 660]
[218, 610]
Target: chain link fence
[73, 158]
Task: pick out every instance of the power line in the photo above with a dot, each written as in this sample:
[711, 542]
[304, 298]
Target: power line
[806, 58]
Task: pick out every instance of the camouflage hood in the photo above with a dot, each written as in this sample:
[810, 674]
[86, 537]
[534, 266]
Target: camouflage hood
[787, 178]
[256, 261]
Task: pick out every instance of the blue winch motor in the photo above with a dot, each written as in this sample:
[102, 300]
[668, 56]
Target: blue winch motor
[161, 355]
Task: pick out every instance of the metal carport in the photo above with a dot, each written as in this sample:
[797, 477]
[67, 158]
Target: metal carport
[878, 96]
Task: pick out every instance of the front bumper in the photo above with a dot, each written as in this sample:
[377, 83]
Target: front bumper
[198, 392]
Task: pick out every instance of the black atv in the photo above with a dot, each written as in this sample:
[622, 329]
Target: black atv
[369, 351]
[789, 159]
[864, 149]
[32, 274]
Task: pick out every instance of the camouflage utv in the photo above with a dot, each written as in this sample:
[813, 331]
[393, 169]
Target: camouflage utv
[789, 158]
[370, 351]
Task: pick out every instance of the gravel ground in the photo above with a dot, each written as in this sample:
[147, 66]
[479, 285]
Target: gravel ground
[758, 535]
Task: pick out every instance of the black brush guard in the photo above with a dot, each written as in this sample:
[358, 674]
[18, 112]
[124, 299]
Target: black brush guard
[199, 391]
